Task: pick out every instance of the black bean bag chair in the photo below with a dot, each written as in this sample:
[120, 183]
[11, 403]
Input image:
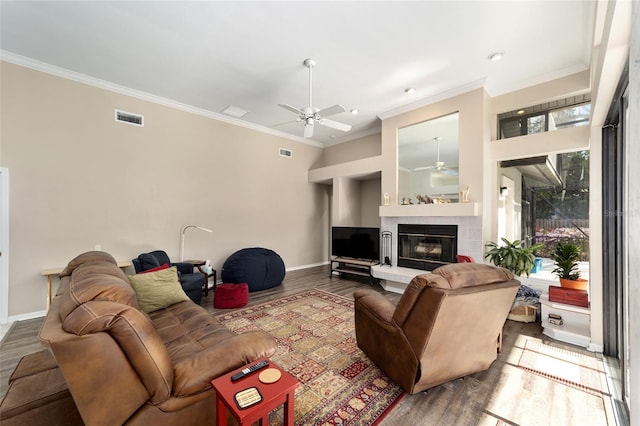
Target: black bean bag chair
[260, 268]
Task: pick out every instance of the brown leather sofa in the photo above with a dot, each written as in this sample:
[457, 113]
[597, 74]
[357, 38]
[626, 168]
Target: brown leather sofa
[123, 366]
[447, 324]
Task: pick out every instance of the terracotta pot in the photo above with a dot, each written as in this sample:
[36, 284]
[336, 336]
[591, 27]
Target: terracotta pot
[579, 284]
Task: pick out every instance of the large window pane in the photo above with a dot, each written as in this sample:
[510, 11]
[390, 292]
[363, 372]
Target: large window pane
[536, 124]
[555, 115]
[570, 117]
[562, 213]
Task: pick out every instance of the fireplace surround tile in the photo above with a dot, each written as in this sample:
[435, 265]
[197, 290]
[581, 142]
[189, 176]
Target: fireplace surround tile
[469, 232]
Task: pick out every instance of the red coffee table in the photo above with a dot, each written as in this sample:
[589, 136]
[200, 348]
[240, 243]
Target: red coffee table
[273, 395]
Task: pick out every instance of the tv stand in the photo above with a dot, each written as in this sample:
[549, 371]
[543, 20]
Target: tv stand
[349, 265]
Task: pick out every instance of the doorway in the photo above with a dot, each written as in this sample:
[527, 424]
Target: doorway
[616, 289]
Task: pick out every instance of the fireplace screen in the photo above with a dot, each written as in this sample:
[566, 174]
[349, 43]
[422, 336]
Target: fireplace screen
[427, 246]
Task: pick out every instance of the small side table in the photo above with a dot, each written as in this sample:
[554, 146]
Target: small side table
[199, 264]
[273, 395]
[54, 272]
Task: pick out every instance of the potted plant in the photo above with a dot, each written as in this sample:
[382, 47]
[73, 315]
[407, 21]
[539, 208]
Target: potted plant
[565, 257]
[513, 256]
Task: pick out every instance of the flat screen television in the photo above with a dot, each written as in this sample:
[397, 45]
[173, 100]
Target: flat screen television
[355, 242]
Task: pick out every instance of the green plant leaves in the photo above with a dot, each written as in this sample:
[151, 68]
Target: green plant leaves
[565, 256]
[512, 256]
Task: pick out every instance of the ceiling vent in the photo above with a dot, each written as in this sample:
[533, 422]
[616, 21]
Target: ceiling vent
[129, 118]
[284, 152]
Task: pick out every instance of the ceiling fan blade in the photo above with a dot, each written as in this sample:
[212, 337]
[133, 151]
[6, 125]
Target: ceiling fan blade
[419, 169]
[335, 124]
[449, 172]
[292, 109]
[308, 130]
[332, 110]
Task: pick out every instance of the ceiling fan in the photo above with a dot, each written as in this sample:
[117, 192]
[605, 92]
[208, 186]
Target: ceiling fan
[438, 165]
[311, 115]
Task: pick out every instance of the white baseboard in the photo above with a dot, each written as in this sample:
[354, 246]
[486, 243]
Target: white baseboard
[311, 265]
[27, 316]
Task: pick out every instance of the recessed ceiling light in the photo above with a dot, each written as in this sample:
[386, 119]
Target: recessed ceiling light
[520, 112]
[235, 111]
[409, 90]
[496, 56]
[354, 111]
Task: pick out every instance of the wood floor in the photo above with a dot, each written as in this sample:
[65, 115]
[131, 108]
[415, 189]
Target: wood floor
[503, 395]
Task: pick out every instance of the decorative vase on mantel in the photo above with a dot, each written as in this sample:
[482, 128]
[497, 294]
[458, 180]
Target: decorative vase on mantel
[464, 195]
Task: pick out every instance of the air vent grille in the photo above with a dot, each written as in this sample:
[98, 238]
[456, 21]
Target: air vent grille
[129, 118]
[284, 152]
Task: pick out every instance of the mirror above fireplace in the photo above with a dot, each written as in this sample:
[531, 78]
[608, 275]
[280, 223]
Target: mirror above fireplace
[428, 161]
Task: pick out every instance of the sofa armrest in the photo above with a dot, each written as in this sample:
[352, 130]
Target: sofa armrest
[194, 374]
[135, 336]
[184, 267]
[375, 303]
[382, 339]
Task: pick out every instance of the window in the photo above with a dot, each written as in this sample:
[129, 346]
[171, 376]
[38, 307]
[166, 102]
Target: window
[573, 116]
[561, 213]
[570, 112]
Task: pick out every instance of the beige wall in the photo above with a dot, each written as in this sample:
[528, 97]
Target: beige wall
[357, 149]
[347, 206]
[79, 179]
[371, 199]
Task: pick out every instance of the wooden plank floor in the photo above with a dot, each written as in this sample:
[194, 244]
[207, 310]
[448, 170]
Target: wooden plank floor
[504, 394]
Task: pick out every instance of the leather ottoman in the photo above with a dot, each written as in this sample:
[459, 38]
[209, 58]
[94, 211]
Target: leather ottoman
[38, 395]
[228, 296]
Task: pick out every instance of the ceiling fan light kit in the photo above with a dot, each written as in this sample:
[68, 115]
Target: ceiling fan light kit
[438, 165]
[312, 115]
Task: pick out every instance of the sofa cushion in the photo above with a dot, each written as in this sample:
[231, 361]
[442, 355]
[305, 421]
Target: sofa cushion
[33, 363]
[96, 280]
[41, 398]
[157, 290]
[202, 349]
[90, 256]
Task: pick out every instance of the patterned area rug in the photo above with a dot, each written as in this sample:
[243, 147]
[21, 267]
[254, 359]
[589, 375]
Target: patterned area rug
[317, 345]
[573, 369]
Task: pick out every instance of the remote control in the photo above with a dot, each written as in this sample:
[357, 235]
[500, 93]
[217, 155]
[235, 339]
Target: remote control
[249, 370]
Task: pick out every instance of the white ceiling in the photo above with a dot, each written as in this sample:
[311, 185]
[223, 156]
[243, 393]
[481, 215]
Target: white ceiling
[210, 55]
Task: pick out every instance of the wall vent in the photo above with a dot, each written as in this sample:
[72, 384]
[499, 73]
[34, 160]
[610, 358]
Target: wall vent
[129, 118]
[284, 152]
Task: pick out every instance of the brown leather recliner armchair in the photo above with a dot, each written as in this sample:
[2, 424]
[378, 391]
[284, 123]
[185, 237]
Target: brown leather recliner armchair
[447, 324]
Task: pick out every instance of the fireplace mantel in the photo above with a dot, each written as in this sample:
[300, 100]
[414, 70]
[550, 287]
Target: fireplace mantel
[447, 209]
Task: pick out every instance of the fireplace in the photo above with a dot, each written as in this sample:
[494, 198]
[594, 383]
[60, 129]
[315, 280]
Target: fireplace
[427, 247]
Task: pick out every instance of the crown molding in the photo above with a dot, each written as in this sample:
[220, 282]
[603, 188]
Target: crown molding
[494, 91]
[354, 136]
[123, 90]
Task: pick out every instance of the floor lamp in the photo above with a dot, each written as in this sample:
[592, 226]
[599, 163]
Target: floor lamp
[184, 228]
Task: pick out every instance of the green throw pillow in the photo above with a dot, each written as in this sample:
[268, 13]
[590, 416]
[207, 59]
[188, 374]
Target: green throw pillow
[157, 290]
